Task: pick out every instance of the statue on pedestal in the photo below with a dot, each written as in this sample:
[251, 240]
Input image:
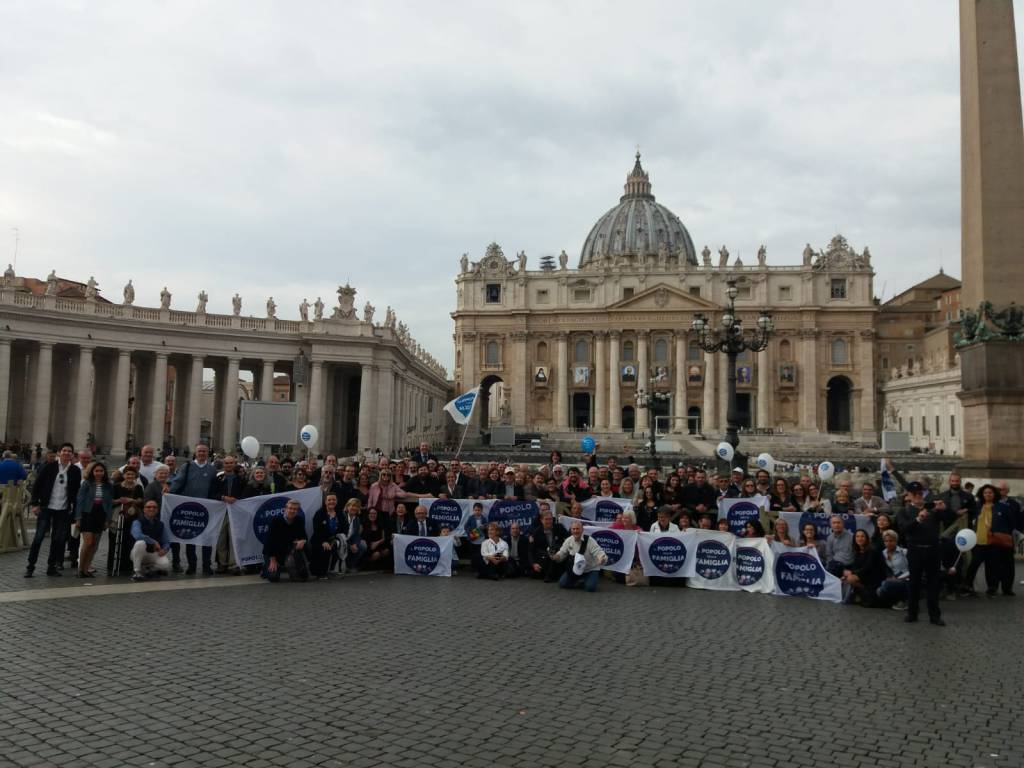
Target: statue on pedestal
[129, 294]
[304, 311]
[368, 310]
[271, 307]
[201, 306]
[90, 288]
[706, 256]
[723, 257]
[522, 261]
[389, 318]
[563, 259]
[9, 275]
[808, 255]
[318, 309]
[464, 263]
[346, 302]
[51, 284]
[762, 256]
[236, 305]
[165, 298]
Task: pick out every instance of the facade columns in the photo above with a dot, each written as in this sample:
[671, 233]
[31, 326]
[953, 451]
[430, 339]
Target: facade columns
[562, 384]
[83, 398]
[229, 410]
[809, 394]
[316, 394]
[520, 381]
[267, 381]
[708, 416]
[366, 400]
[643, 380]
[614, 384]
[681, 422]
[193, 424]
[5, 385]
[723, 391]
[764, 390]
[43, 389]
[119, 434]
[158, 407]
[866, 366]
[385, 415]
[470, 362]
[600, 381]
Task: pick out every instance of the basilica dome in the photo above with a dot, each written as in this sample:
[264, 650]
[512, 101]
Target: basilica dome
[637, 228]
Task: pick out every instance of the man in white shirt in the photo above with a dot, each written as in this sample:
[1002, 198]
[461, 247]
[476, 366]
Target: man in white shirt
[148, 465]
[594, 558]
[493, 555]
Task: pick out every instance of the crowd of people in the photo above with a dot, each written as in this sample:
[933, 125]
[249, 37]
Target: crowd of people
[366, 502]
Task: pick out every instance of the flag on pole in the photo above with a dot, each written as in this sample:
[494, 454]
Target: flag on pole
[461, 408]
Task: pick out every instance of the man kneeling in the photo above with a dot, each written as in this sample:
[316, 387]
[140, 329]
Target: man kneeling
[587, 571]
[285, 546]
[149, 553]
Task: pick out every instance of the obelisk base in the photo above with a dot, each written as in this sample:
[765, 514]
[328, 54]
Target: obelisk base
[992, 398]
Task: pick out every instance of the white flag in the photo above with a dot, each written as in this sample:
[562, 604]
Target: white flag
[423, 555]
[461, 408]
[192, 521]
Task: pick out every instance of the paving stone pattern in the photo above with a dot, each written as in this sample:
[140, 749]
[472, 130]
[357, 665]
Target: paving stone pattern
[380, 670]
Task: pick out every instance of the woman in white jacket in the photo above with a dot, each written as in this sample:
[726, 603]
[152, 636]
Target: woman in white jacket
[593, 558]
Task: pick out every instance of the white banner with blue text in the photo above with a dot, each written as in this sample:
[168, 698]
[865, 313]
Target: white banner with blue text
[423, 555]
[250, 520]
[713, 555]
[668, 555]
[799, 573]
[192, 521]
[604, 509]
[619, 546]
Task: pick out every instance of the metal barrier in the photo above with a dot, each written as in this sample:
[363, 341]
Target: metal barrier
[13, 509]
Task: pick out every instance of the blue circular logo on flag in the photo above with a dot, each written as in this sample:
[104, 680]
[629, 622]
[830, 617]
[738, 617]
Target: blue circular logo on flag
[611, 543]
[713, 559]
[446, 513]
[799, 574]
[667, 554]
[422, 555]
[749, 566]
[268, 510]
[606, 511]
[188, 520]
[506, 512]
[741, 513]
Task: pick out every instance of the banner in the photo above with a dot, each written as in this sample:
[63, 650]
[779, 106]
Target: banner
[822, 522]
[669, 555]
[755, 563]
[799, 573]
[739, 512]
[618, 545]
[713, 558]
[461, 408]
[602, 509]
[504, 513]
[453, 513]
[250, 520]
[888, 484]
[565, 521]
[423, 556]
[192, 521]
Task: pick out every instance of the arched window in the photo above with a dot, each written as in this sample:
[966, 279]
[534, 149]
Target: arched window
[542, 352]
[840, 352]
[627, 350]
[661, 351]
[581, 352]
[492, 354]
[785, 350]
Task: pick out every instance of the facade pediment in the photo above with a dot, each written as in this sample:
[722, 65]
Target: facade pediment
[664, 298]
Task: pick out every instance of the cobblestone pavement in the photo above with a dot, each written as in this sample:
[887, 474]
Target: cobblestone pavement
[403, 671]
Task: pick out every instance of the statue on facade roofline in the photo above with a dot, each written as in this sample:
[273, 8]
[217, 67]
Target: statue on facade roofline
[90, 288]
[271, 307]
[563, 259]
[368, 310]
[522, 260]
[201, 307]
[51, 284]
[165, 298]
[464, 263]
[762, 256]
[318, 309]
[236, 305]
[389, 318]
[9, 274]
[723, 257]
[129, 293]
[808, 255]
[706, 256]
[304, 311]
[346, 302]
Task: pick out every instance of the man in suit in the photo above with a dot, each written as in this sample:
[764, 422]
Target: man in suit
[423, 455]
[545, 539]
[518, 552]
[227, 486]
[53, 502]
[452, 488]
[420, 525]
[513, 490]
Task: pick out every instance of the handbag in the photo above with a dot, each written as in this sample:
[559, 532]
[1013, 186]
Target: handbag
[1000, 540]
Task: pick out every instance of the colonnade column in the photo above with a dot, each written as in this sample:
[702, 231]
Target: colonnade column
[83, 398]
[119, 434]
[193, 423]
[809, 380]
[366, 400]
[520, 381]
[614, 382]
[316, 393]
[600, 381]
[723, 391]
[866, 371]
[643, 380]
[5, 385]
[267, 381]
[385, 415]
[158, 407]
[562, 384]
[229, 410]
[764, 383]
[43, 388]
[709, 420]
[680, 423]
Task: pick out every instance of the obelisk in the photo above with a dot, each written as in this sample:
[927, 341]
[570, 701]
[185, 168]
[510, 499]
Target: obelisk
[992, 249]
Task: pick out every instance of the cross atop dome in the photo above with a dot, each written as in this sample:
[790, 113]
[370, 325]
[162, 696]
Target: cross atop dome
[638, 184]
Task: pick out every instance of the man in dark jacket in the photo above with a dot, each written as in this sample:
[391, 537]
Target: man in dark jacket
[921, 533]
[957, 499]
[422, 483]
[227, 486]
[545, 540]
[285, 546]
[420, 525]
[518, 552]
[53, 502]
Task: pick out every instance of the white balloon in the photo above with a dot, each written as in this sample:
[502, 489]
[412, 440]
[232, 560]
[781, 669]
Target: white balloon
[765, 461]
[724, 451]
[826, 470]
[966, 539]
[309, 435]
[250, 446]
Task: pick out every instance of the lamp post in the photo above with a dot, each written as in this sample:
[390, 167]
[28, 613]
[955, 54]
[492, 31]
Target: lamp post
[732, 339]
[646, 401]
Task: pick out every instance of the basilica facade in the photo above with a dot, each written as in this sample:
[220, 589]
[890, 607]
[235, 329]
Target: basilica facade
[559, 349]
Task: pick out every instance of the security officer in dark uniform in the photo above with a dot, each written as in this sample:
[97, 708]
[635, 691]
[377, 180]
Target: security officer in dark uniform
[921, 535]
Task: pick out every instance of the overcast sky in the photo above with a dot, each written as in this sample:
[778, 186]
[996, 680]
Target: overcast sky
[286, 148]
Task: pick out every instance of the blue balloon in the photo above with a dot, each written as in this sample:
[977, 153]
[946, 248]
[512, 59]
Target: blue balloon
[588, 445]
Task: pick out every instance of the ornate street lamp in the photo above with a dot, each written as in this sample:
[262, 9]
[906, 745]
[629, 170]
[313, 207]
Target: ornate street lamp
[646, 401]
[732, 339]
